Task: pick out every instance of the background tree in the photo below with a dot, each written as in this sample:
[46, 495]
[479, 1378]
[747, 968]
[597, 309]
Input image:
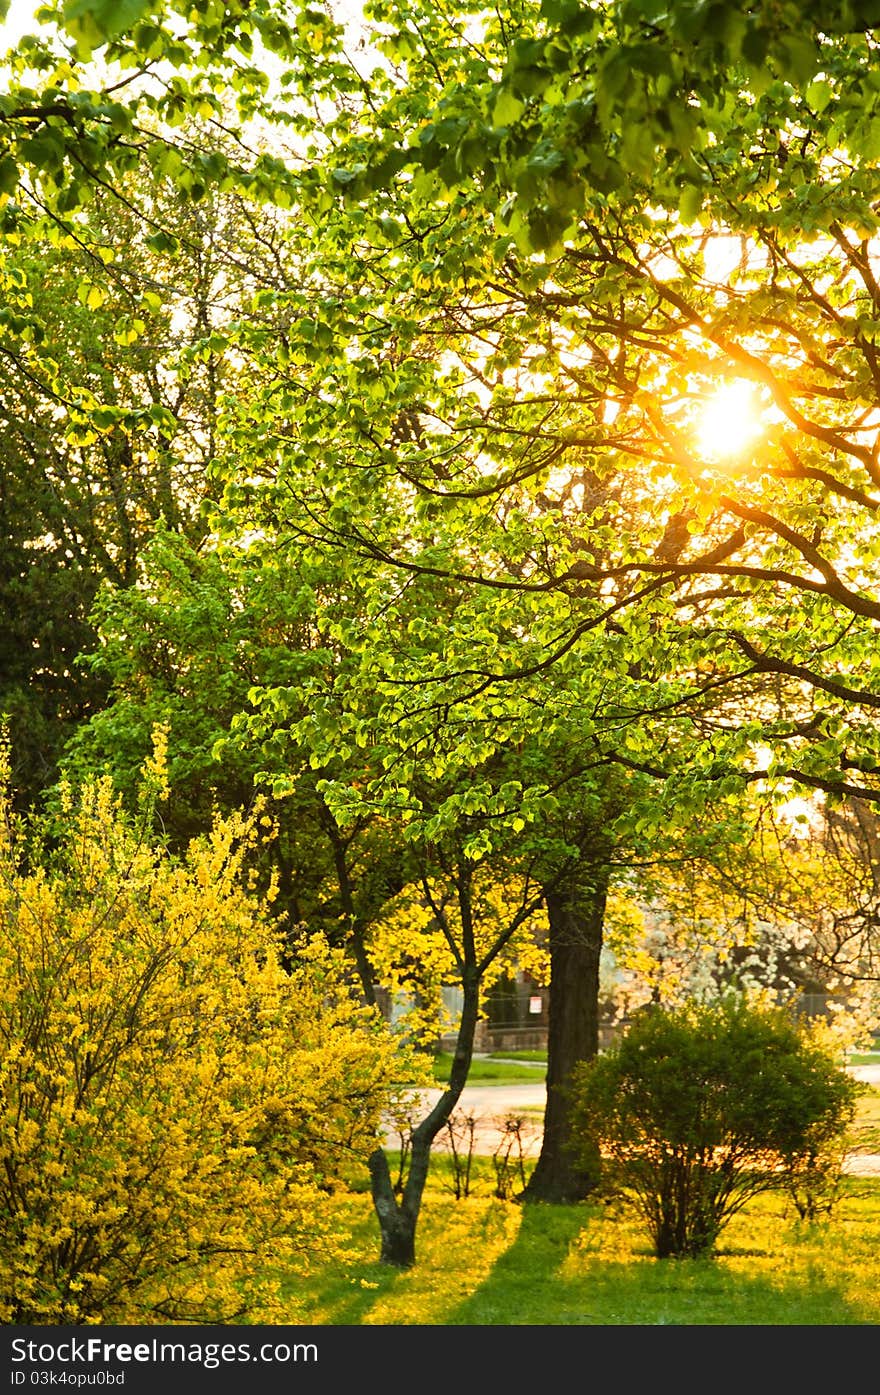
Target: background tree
[109, 436]
[72, 125]
[186, 648]
[807, 882]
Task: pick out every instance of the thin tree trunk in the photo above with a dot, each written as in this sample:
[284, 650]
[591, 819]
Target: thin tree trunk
[398, 1219]
[355, 928]
[576, 915]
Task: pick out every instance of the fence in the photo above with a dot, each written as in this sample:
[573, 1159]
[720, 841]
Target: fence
[515, 1037]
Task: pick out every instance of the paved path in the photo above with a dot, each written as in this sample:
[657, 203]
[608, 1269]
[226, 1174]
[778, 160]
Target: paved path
[864, 1164]
[494, 1107]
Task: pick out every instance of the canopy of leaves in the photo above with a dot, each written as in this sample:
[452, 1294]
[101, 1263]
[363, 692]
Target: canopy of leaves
[522, 417]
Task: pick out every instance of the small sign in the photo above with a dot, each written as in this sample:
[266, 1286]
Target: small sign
[535, 1003]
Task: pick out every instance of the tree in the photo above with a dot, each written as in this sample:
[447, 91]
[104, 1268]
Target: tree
[205, 628]
[109, 434]
[812, 873]
[206, 634]
[542, 107]
[177, 1101]
[72, 124]
[454, 886]
[594, 356]
[667, 140]
[558, 447]
[576, 914]
[192, 647]
[123, 244]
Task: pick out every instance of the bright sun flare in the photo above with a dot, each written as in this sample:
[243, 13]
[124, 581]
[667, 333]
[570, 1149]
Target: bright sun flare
[729, 421]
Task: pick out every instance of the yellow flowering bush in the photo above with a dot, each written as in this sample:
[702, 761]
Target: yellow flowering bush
[176, 1095]
[414, 955]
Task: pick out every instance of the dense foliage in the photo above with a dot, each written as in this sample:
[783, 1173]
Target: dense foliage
[359, 374]
[175, 1102]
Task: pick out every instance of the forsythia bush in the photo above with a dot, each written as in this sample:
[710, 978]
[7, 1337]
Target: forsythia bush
[173, 1099]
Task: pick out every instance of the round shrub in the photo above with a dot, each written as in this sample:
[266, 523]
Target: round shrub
[696, 1110]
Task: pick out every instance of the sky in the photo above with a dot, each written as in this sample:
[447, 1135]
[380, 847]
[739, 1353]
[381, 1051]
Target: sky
[18, 21]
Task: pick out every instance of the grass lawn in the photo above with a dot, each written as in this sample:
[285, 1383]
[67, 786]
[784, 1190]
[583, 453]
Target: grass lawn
[539, 1057]
[484, 1261]
[487, 1071]
[508, 1067]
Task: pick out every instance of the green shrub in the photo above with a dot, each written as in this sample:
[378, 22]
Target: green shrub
[696, 1110]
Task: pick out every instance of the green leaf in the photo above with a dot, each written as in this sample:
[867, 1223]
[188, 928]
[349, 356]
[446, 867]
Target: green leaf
[818, 95]
[8, 175]
[507, 109]
[92, 297]
[94, 22]
[44, 151]
[161, 242]
[105, 417]
[864, 139]
[690, 203]
[801, 56]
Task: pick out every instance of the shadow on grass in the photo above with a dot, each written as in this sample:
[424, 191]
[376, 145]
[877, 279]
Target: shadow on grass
[345, 1291]
[486, 1262]
[583, 1265]
[352, 1307]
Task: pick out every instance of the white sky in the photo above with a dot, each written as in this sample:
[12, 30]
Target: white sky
[19, 20]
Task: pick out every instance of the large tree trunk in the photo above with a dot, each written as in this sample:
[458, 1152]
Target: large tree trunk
[576, 915]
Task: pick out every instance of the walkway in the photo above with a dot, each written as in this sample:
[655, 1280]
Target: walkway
[494, 1108]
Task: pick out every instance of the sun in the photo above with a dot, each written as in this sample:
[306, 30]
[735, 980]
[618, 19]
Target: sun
[728, 421]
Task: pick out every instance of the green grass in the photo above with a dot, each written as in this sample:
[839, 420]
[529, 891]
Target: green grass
[485, 1071]
[484, 1261]
[511, 1067]
[538, 1056]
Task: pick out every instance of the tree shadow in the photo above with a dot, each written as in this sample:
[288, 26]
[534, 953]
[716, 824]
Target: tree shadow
[349, 1300]
[490, 1263]
[585, 1267]
[343, 1290]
